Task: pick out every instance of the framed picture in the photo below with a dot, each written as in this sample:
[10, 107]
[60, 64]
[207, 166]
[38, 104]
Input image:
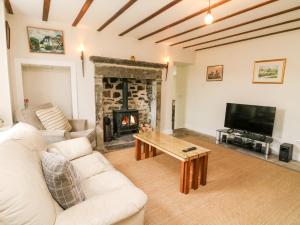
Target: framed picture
[45, 40]
[269, 71]
[214, 73]
[7, 28]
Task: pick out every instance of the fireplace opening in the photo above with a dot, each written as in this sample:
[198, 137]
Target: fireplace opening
[125, 120]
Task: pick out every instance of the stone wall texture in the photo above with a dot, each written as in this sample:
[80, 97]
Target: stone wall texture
[139, 97]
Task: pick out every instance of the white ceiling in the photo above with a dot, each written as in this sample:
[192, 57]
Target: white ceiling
[101, 10]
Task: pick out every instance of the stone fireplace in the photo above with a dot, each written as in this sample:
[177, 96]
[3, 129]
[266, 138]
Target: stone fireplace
[128, 93]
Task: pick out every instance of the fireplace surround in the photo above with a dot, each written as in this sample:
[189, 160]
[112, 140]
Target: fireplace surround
[141, 76]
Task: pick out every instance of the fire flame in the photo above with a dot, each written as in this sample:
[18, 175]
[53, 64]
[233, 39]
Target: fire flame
[125, 120]
[132, 119]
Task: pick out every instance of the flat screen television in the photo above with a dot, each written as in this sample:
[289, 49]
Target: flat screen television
[251, 118]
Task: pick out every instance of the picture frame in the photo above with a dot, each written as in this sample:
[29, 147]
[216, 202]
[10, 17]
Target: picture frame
[7, 29]
[43, 40]
[269, 71]
[214, 73]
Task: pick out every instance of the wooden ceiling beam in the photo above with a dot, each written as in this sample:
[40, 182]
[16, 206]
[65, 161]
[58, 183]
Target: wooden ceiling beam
[239, 25]
[184, 19]
[245, 32]
[8, 7]
[117, 14]
[161, 10]
[221, 19]
[46, 9]
[251, 38]
[82, 12]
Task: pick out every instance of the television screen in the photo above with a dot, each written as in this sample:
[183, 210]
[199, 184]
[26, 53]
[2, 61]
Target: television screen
[252, 118]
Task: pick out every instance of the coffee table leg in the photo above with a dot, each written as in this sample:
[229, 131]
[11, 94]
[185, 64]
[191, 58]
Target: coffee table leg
[138, 145]
[153, 150]
[146, 150]
[196, 168]
[204, 164]
[185, 177]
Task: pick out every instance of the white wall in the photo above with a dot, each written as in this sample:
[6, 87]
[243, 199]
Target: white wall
[5, 98]
[42, 84]
[98, 44]
[206, 101]
[179, 94]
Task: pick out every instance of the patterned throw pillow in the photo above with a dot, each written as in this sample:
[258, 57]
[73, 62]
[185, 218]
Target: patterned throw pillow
[62, 180]
[53, 119]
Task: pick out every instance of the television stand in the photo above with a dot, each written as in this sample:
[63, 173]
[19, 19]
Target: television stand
[247, 140]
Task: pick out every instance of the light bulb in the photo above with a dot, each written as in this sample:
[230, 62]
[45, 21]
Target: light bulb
[81, 48]
[208, 18]
[167, 59]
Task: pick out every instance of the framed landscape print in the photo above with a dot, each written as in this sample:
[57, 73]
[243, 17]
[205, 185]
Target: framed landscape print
[269, 71]
[214, 73]
[45, 40]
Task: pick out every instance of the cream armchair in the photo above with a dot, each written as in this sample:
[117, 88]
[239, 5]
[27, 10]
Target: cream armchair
[79, 126]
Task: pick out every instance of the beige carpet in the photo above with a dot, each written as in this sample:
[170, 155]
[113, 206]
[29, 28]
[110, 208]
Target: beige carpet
[240, 190]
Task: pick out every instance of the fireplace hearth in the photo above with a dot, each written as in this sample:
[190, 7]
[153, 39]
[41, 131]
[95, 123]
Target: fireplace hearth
[125, 120]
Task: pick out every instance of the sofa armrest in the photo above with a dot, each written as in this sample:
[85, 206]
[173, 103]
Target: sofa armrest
[73, 148]
[53, 136]
[78, 125]
[109, 208]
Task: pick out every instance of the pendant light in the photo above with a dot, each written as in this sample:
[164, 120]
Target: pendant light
[209, 17]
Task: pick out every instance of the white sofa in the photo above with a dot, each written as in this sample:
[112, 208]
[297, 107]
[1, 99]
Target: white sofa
[24, 197]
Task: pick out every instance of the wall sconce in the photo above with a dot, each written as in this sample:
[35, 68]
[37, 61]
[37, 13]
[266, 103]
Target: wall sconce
[82, 58]
[167, 60]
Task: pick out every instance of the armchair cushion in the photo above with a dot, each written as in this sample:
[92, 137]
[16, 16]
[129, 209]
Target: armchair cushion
[53, 119]
[73, 148]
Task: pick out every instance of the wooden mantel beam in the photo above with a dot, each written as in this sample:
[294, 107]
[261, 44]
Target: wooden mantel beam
[46, 9]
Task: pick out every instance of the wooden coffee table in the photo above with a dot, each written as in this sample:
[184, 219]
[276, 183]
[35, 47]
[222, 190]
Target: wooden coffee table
[197, 160]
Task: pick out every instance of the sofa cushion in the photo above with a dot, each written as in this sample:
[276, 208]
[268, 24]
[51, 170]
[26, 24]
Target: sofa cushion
[28, 115]
[24, 196]
[26, 134]
[105, 182]
[62, 180]
[109, 208]
[73, 148]
[91, 165]
[53, 119]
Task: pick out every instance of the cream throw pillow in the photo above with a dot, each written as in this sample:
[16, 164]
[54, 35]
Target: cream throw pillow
[53, 119]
